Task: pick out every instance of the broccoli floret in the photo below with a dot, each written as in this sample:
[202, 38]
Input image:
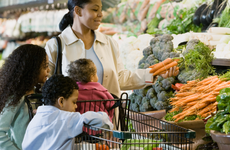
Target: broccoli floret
[151, 60]
[136, 91]
[169, 46]
[146, 107]
[145, 100]
[159, 105]
[153, 101]
[146, 66]
[166, 83]
[147, 51]
[142, 60]
[158, 87]
[135, 107]
[166, 37]
[143, 92]
[188, 75]
[156, 51]
[160, 78]
[138, 99]
[151, 93]
[174, 54]
[154, 41]
[190, 45]
[132, 97]
[164, 96]
[141, 66]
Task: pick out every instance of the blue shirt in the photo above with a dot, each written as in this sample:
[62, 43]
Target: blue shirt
[52, 128]
[90, 54]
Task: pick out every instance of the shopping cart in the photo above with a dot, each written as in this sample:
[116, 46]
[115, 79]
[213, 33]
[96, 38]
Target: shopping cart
[135, 131]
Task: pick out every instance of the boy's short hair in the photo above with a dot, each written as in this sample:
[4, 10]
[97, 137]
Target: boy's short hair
[58, 86]
[81, 70]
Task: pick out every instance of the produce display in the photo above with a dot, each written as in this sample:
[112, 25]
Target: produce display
[197, 99]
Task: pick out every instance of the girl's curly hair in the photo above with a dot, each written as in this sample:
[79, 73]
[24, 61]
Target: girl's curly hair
[81, 70]
[19, 74]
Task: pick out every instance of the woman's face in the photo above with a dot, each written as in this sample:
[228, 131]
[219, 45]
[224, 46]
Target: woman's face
[91, 14]
[44, 71]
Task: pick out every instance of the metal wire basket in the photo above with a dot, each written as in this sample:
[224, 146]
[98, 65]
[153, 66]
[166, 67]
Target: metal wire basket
[134, 131]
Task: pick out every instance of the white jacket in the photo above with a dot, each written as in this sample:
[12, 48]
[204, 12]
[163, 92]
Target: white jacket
[115, 76]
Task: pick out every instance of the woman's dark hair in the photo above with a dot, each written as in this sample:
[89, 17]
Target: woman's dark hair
[19, 74]
[68, 18]
[58, 86]
[81, 70]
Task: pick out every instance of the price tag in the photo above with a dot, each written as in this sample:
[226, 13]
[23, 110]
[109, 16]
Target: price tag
[50, 1]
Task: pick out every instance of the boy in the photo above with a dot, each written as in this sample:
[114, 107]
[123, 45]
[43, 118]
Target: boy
[56, 124]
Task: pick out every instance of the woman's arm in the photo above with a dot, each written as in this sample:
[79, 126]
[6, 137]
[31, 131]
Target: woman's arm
[7, 117]
[129, 80]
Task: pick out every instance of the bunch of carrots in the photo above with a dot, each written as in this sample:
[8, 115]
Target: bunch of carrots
[198, 97]
[164, 66]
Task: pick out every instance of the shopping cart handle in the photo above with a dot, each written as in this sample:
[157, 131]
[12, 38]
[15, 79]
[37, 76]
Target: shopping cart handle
[117, 104]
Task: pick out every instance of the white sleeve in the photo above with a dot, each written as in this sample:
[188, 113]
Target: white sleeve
[129, 80]
[51, 51]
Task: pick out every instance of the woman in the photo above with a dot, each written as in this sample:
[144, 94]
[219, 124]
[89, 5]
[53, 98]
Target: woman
[23, 69]
[81, 40]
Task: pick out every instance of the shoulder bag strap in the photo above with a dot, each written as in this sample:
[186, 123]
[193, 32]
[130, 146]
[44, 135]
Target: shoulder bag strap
[59, 57]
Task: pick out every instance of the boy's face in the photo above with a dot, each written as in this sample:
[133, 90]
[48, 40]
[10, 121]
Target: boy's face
[70, 104]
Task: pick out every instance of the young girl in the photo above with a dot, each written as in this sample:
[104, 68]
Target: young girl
[23, 69]
[84, 72]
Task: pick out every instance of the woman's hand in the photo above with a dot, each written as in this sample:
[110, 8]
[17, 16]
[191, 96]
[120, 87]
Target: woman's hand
[172, 72]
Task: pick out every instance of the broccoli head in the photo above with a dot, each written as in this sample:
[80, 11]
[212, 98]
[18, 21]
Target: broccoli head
[188, 75]
[151, 60]
[159, 105]
[166, 83]
[190, 45]
[158, 87]
[132, 97]
[143, 92]
[164, 96]
[156, 51]
[138, 99]
[141, 66]
[142, 60]
[166, 37]
[146, 65]
[165, 56]
[153, 101]
[146, 107]
[174, 54]
[151, 93]
[135, 107]
[147, 51]
[154, 41]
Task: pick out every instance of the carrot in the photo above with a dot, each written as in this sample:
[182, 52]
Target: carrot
[163, 72]
[184, 94]
[172, 64]
[160, 65]
[191, 103]
[175, 109]
[207, 79]
[208, 108]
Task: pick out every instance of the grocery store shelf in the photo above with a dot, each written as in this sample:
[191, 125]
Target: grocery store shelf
[221, 62]
[30, 5]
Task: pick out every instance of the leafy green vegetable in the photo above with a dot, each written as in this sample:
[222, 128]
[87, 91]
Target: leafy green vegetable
[169, 116]
[225, 77]
[200, 58]
[183, 22]
[221, 121]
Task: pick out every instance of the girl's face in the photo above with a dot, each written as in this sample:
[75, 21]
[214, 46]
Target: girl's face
[91, 14]
[70, 104]
[44, 71]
